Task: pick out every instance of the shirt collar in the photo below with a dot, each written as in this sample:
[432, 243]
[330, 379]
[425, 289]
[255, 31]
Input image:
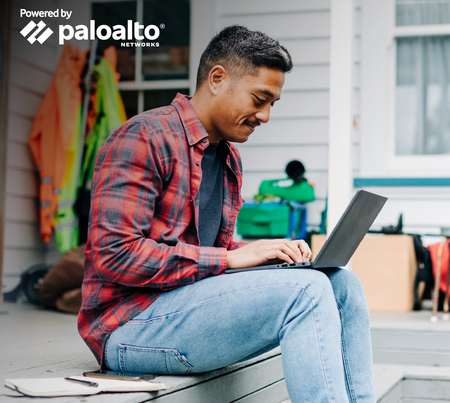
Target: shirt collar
[195, 132]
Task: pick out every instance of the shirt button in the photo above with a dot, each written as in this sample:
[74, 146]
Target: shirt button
[204, 141]
[197, 163]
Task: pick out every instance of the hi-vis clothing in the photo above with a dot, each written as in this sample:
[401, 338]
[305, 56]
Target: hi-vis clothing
[109, 112]
[52, 132]
[55, 140]
[66, 221]
[106, 114]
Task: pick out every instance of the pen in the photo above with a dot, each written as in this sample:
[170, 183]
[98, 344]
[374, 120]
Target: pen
[87, 383]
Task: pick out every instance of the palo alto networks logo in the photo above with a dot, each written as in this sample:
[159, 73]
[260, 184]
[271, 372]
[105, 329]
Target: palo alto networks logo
[37, 31]
[133, 34]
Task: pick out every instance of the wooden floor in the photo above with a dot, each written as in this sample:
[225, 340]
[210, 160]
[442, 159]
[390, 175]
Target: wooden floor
[407, 347]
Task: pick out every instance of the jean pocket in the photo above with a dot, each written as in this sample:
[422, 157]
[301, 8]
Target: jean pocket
[158, 361]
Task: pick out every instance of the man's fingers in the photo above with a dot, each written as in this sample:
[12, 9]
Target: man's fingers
[263, 251]
[300, 248]
[291, 252]
[305, 250]
[283, 256]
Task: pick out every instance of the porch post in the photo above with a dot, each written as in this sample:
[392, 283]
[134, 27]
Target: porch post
[5, 29]
[340, 161]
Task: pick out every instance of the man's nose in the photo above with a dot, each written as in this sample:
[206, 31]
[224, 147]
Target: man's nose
[263, 114]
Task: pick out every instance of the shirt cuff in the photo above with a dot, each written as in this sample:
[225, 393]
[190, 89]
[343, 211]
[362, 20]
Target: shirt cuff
[212, 261]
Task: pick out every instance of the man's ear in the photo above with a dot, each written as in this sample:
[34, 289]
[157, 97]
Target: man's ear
[217, 78]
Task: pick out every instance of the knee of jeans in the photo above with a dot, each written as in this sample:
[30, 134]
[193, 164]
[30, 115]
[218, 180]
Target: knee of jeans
[320, 287]
[349, 292]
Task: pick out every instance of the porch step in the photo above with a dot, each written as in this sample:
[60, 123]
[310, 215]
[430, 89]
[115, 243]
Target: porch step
[410, 338]
[39, 343]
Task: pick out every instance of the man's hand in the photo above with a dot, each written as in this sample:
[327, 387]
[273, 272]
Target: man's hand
[265, 250]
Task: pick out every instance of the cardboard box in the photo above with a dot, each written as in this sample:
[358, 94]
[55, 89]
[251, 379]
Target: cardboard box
[386, 265]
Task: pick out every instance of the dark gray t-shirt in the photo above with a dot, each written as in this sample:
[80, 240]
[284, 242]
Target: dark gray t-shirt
[211, 195]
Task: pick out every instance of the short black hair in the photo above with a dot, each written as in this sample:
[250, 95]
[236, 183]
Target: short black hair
[242, 52]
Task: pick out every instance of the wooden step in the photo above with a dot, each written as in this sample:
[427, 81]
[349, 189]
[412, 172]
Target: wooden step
[410, 338]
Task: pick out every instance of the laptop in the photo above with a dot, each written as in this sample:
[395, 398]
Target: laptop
[344, 239]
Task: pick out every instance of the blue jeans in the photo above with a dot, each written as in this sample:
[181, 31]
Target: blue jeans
[321, 322]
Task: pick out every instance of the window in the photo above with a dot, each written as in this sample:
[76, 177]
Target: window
[150, 76]
[422, 83]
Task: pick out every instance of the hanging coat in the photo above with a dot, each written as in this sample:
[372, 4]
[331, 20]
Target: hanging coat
[52, 132]
[66, 221]
[444, 251]
[109, 112]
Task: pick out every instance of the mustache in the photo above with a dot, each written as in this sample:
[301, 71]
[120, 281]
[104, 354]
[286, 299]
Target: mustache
[254, 123]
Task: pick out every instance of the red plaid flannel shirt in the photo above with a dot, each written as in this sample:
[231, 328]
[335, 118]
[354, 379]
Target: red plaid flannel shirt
[143, 231]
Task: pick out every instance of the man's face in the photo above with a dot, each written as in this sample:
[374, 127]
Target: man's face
[245, 103]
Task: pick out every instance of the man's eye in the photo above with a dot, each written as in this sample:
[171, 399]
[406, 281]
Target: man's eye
[260, 100]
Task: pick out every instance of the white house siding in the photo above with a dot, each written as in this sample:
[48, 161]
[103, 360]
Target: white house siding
[298, 128]
[31, 70]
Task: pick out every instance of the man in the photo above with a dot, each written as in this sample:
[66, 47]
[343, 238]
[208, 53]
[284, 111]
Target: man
[165, 198]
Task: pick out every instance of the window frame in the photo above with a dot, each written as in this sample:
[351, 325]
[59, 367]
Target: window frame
[409, 165]
[138, 84]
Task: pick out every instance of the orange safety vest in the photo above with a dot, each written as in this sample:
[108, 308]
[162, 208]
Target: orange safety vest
[52, 131]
